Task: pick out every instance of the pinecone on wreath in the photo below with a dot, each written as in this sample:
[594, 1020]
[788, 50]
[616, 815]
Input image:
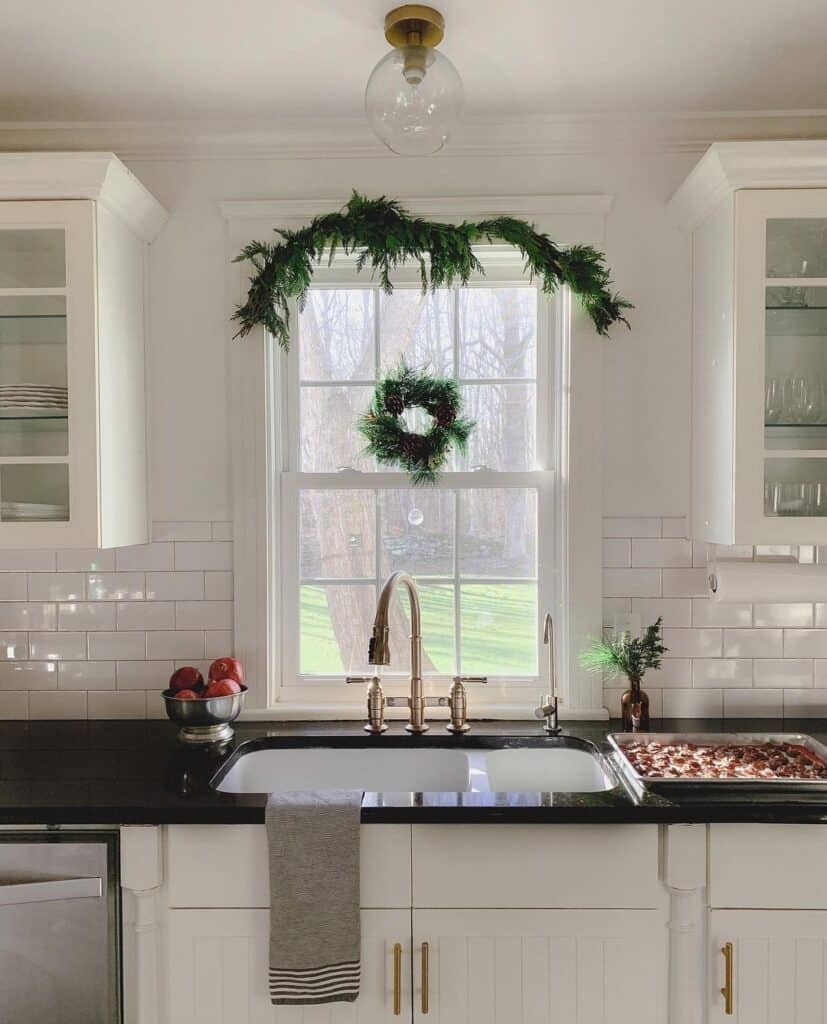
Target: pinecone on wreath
[411, 445]
[444, 414]
[394, 404]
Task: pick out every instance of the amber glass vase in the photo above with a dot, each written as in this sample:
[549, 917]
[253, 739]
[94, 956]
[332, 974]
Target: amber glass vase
[634, 708]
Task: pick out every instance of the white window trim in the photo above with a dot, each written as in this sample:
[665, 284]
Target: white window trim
[255, 363]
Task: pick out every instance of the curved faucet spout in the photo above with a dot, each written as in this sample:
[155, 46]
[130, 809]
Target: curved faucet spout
[379, 648]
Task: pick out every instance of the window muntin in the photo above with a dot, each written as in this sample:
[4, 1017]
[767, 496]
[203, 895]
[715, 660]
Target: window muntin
[473, 541]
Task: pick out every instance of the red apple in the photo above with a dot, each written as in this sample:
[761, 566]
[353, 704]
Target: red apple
[186, 678]
[221, 688]
[227, 668]
[186, 695]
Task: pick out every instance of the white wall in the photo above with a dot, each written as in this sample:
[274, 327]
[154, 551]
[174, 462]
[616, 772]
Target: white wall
[646, 400]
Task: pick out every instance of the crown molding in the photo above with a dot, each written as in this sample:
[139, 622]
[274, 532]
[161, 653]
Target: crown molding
[350, 138]
[729, 166]
[98, 176]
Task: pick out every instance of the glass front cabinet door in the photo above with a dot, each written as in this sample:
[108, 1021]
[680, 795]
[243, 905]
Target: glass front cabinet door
[759, 366]
[72, 408]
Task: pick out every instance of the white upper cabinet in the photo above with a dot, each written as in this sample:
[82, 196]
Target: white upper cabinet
[757, 212]
[74, 230]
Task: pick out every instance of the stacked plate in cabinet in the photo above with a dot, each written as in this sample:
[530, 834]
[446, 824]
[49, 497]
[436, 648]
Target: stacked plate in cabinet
[29, 511]
[29, 401]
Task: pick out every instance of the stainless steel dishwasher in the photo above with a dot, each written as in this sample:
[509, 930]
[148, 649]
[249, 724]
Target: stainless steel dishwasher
[59, 927]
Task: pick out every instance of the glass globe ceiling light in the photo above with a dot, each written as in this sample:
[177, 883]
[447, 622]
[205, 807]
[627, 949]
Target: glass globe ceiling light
[414, 94]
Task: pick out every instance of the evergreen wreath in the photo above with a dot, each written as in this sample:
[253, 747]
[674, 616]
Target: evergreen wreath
[389, 440]
[388, 237]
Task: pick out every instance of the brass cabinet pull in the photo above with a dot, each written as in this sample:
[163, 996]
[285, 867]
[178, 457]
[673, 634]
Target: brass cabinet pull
[397, 978]
[726, 991]
[424, 951]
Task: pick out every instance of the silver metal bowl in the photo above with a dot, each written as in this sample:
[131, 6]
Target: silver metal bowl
[206, 720]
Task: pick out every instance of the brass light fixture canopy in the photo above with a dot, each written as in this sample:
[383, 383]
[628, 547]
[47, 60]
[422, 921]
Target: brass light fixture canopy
[414, 25]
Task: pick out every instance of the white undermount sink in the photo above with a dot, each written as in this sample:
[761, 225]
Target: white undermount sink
[558, 769]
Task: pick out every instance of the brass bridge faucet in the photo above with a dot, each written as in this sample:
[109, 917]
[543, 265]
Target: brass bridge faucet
[379, 654]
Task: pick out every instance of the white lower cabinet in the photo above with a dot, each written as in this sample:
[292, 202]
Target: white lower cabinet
[219, 963]
[539, 966]
[778, 973]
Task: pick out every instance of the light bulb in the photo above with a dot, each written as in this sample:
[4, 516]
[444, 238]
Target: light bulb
[413, 100]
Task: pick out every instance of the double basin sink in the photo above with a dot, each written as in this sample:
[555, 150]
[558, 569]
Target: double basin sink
[565, 765]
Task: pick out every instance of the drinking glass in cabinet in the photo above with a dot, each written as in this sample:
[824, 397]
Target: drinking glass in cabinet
[32, 258]
[795, 487]
[797, 247]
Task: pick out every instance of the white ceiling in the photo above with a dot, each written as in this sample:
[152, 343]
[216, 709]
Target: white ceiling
[159, 60]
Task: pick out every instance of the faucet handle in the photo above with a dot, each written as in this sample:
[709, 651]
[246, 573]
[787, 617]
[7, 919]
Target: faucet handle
[376, 702]
[458, 702]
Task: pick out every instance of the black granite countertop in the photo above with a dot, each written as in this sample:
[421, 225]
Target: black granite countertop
[106, 773]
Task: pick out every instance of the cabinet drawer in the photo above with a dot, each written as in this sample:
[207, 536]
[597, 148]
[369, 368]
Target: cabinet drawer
[776, 867]
[536, 866]
[226, 866]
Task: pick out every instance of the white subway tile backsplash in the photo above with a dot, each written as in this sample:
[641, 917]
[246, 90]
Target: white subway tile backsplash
[693, 703]
[805, 704]
[721, 672]
[617, 553]
[116, 646]
[14, 646]
[116, 586]
[146, 615]
[663, 553]
[218, 586]
[86, 560]
[753, 643]
[613, 607]
[13, 587]
[154, 557]
[183, 531]
[684, 582]
[14, 706]
[620, 526]
[219, 643]
[86, 675]
[203, 614]
[805, 643]
[27, 560]
[674, 672]
[753, 703]
[57, 586]
[820, 615]
[116, 704]
[782, 672]
[46, 704]
[631, 583]
[85, 616]
[674, 526]
[222, 531]
[212, 555]
[720, 613]
[820, 673]
[175, 643]
[693, 643]
[26, 615]
[789, 615]
[175, 586]
[57, 646]
[28, 675]
[144, 675]
[675, 611]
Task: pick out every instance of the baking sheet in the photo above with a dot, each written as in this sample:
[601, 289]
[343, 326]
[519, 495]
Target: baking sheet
[618, 740]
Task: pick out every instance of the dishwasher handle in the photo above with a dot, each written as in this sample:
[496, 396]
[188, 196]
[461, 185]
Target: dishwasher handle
[56, 889]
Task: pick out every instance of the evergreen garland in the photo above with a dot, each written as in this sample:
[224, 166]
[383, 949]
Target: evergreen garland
[388, 237]
[389, 440]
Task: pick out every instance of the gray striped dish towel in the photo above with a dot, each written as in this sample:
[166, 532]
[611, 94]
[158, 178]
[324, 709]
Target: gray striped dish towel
[315, 940]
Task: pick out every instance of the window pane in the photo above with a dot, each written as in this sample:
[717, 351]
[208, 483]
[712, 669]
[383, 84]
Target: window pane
[417, 532]
[437, 606]
[419, 328]
[498, 332]
[504, 435]
[499, 629]
[335, 624]
[329, 439]
[498, 532]
[336, 335]
[338, 534]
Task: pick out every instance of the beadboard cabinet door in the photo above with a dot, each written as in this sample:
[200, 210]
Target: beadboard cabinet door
[218, 971]
[539, 966]
[778, 966]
